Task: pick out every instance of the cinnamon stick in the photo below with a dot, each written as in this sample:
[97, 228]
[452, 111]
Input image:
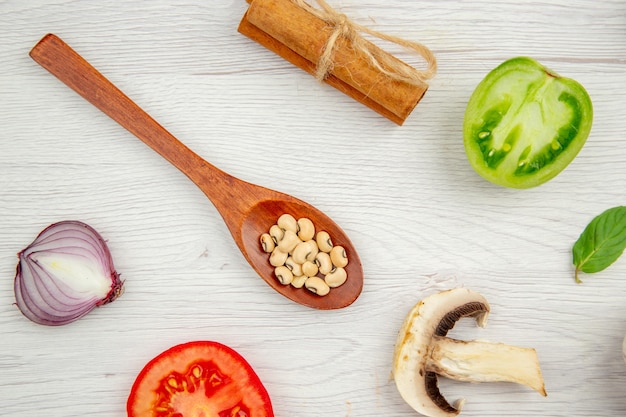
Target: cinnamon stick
[300, 37]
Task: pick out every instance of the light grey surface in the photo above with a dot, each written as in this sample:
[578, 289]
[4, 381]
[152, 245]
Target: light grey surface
[420, 217]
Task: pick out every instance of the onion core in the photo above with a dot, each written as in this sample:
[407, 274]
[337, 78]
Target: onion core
[65, 273]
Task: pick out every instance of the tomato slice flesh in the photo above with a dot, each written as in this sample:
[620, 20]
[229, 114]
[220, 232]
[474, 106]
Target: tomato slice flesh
[198, 379]
[524, 123]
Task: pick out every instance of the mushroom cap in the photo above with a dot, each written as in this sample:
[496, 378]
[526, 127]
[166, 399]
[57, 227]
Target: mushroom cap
[435, 315]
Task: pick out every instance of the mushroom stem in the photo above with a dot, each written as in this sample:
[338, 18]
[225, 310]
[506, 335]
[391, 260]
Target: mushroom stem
[424, 352]
[480, 361]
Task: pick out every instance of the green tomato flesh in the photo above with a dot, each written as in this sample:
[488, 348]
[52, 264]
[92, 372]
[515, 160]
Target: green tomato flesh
[524, 124]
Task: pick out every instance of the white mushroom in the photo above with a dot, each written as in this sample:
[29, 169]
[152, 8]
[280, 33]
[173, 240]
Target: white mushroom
[423, 351]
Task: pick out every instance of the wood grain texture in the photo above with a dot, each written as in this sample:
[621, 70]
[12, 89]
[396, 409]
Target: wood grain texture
[248, 210]
[420, 218]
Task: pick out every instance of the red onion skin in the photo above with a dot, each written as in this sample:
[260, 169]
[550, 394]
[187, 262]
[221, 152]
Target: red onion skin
[39, 297]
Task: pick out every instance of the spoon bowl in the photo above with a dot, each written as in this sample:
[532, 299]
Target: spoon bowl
[262, 216]
[248, 210]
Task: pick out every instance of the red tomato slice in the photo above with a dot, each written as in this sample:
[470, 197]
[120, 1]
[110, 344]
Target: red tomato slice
[198, 379]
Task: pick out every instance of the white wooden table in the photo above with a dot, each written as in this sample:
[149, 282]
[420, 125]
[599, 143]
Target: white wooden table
[420, 217]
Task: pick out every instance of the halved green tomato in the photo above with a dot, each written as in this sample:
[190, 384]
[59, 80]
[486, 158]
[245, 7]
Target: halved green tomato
[524, 123]
[198, 379]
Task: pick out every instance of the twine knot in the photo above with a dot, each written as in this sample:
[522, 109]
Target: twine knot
[342, 24]
[343, 27]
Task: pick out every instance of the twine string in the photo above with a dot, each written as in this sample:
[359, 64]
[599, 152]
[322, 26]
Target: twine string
[345, 28]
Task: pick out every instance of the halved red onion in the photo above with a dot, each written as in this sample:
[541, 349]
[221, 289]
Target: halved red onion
[64, 274]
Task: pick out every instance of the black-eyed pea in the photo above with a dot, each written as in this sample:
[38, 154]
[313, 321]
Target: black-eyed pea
[309, 269]
[324, 243]
[306, 229]
[338, 256]
[298, 281]
[314, 251]
[323, 262]
[295, 267]
[336, 277]
[289, 242]
[277, 233]
[267, 243]
[284, 274]
[278, 257]
[288, 222]
[305, 251]
[317, 286]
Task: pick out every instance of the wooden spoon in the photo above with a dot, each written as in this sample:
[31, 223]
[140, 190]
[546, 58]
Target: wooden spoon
[248, 210]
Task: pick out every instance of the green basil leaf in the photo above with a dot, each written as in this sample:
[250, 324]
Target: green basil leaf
[602, 242]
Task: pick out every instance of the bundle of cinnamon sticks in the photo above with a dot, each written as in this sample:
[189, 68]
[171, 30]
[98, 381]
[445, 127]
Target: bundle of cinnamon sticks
[328, 45]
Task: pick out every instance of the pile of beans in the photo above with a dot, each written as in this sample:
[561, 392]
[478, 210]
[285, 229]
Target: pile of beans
[303, 258]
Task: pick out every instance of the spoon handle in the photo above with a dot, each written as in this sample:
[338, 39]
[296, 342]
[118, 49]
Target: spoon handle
[68, 66]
